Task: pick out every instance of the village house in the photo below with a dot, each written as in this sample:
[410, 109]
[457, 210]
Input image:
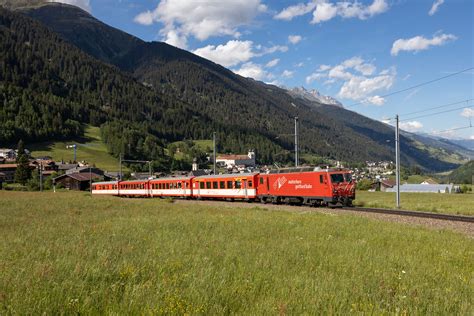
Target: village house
[77, 181]
[230, 161]
[7, 153]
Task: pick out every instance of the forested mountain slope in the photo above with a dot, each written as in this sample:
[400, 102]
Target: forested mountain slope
[245, 113]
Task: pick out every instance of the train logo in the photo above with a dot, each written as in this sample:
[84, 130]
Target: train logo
[279, 183]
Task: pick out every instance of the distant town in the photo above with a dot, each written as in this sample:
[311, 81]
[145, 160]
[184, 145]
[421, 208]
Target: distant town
[43, 172]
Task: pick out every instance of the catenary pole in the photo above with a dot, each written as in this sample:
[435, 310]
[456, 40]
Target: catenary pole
[214, 143]
[397, 159]
[296, 141]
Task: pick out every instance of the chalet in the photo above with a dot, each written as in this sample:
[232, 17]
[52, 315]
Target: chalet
[230, 161]
[7, 172]
[383, 185]
[77, 181]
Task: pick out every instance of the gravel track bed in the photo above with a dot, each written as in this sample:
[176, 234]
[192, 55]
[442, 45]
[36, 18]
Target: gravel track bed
[438, 224]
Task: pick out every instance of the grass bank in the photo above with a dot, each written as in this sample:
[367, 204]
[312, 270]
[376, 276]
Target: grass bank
[428, 202]
[73, 253]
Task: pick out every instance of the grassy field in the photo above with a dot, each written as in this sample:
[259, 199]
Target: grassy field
[90, 149]
[429, 202]
[72, 253]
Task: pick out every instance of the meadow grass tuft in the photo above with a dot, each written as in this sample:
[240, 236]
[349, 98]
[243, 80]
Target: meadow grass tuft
[462, 204]
[72, 253]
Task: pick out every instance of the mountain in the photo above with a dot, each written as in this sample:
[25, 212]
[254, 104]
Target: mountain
[207, 97]
[313, 96]
[465, 143]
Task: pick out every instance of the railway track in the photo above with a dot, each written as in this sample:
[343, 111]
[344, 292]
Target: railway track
[447, 217]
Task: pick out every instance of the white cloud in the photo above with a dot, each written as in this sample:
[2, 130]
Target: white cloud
[471, 137]
[230, 54]
[175, 39]
[287, 74]
[83, 4]
[201, 19]
[300, 64]
[418, 43]
[467, 112]
[435, 6]
[290, 12]
[376, 100]
[294, 39]
[412, 126]
[235, 52]
[324, 10]
[251, 70]
[358, 78]
[272, 63]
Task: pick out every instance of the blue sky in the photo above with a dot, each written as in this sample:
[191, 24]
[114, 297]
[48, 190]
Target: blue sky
[355, 51]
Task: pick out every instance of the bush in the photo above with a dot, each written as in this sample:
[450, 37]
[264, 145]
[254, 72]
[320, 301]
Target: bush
[364, 185]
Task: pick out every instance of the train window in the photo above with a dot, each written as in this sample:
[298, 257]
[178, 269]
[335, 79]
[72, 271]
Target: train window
[250, 183]
[179, 185]
[201, 185]
[214, 185]
[229, 185]
[261, 180]
[222, 185]
[348, 177]
[167, 186]
[321, 178]
[337, 178]
[238, 184]
[208, 185]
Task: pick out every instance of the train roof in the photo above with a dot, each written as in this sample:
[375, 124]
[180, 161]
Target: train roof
[306, 169]
[106, 182]
[228, 175]
[171, 178]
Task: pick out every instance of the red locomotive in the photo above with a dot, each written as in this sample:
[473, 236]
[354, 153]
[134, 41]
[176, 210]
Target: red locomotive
[307, 186]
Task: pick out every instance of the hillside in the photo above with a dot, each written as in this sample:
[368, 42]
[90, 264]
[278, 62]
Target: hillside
[245, 113]
[463, 174]
[90, 148]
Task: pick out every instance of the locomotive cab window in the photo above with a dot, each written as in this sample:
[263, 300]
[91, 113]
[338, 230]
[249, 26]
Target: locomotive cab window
[348, 177]
[337, 178]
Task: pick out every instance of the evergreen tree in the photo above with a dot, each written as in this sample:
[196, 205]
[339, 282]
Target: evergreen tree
[23, 171]
[20, 149]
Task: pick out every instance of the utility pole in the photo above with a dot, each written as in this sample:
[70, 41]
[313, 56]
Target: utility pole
[296, 141]
[149, 169]
[214, 142]
[120, 159]
[397, 159]
[90, 178]
[41, 175]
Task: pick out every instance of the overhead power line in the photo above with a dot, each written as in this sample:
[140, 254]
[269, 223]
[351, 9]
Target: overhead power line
[413, 87]
[437, 107]
[436, 113]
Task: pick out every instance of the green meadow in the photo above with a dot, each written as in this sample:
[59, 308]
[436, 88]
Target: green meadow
[462, 204]
[90, 148]
[70, 253]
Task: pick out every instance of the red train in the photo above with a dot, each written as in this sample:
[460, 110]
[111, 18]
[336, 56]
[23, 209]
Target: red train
[293, 186]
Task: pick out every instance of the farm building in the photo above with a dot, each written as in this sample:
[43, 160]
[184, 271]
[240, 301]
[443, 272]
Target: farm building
[77, 181]
[424, 188]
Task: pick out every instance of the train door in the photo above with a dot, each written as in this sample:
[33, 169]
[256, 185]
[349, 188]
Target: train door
[244, 183]
[324, 183]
